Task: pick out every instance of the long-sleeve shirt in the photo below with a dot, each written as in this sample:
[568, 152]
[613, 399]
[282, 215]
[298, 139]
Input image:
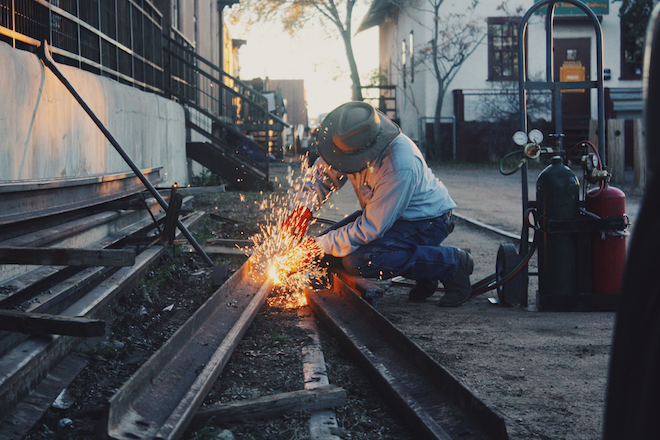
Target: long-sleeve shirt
[399, 185]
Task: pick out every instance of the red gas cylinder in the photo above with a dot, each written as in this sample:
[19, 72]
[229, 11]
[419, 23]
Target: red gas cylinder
[608, 249]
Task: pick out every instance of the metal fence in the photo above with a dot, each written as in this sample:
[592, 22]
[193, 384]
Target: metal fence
[493, 105]
[120, 39]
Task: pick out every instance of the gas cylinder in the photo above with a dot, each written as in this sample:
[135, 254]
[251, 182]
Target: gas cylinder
[608, 249]
[557, 197]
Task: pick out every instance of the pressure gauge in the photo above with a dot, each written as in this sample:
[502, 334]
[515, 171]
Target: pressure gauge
[536, 136]
[520, 138]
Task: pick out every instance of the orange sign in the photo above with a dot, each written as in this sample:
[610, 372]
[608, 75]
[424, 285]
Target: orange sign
[572, 71]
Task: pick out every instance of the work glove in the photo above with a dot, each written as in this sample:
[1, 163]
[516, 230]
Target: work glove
[297, 222]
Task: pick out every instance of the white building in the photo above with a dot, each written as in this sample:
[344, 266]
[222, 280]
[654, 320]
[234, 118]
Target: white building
[492, 68]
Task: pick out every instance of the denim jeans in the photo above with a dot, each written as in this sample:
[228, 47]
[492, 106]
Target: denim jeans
[410, 249]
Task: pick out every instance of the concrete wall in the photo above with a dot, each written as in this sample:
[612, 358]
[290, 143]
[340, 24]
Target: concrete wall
[45, 133]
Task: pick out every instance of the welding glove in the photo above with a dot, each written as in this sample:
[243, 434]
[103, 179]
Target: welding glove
[297, 222]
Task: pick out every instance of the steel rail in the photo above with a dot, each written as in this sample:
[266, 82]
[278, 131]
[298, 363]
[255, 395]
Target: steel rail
[24, 365]
[425, 394]
[44, 54]
[29, 199]
[161, 398]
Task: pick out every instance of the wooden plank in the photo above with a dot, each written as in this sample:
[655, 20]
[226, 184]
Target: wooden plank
[44, 324]
[324, 397]
[67, 256]
[23, 367]
[639, 154]
[323, 422]
[615, 150]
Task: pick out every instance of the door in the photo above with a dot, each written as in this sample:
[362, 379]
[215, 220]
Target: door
[572, 60]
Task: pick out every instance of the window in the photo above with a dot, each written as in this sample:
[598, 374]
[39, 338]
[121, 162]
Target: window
[634, 16]
[412, 59]
[503, 48]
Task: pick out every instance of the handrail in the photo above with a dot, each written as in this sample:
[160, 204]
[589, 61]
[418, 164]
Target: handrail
[224, 74]
[20, 37]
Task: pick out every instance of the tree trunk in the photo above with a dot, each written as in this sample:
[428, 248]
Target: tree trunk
[356, 94]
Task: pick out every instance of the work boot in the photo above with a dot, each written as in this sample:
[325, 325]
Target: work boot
[458, 290]
[422, 290]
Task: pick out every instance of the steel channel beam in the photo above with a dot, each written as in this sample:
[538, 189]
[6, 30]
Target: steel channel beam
[23, 367]
[29, 199]
[161, 398]
[423, 392]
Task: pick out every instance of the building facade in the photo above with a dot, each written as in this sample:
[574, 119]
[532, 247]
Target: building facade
[485, 85]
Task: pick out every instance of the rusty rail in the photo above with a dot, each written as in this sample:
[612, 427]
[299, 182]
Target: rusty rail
[180, 374]
[424, 393]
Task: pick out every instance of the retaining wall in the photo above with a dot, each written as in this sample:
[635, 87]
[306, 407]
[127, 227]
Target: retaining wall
[44, 133]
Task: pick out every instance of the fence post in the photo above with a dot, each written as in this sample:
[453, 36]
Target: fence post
[639, 153]
[615, 150]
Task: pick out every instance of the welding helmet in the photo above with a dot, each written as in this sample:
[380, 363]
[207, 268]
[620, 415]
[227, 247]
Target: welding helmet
[353, 135]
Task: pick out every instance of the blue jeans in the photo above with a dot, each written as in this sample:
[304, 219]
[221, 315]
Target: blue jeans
[410, 249]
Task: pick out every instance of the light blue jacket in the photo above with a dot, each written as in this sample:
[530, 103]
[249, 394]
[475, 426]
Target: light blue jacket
[399, 185]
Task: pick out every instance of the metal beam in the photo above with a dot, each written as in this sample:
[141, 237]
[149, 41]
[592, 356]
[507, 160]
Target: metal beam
[180, 374]
[44, 324]
[67, 256]
[28, 199]
[423, 392]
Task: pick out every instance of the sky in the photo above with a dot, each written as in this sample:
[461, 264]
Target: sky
[309, 55]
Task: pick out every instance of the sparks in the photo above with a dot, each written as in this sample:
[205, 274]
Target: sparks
[276, 253]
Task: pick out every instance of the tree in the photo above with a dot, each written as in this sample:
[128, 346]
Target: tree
[454, 37]
[295, 14]
[634, 15]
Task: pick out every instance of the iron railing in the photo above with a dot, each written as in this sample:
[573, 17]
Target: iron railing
[120, 39]
[216, 99]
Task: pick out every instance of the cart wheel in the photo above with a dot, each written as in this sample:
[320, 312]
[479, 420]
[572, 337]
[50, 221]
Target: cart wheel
[513, 291]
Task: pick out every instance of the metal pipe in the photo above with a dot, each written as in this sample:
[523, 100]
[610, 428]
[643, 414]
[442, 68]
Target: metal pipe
[44, 54]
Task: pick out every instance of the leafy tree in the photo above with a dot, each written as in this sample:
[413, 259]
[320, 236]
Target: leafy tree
[295, 14]
[454, 37]
[634, 18]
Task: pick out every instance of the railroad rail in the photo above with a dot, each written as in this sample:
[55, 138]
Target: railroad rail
[432, 400]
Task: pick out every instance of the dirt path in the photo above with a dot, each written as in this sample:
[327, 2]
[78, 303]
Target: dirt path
[546, 373]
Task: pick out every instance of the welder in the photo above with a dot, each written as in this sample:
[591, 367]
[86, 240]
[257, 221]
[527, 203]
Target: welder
[406, 210]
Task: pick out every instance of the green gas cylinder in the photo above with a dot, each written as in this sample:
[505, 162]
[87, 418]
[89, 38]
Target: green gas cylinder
[557, 197]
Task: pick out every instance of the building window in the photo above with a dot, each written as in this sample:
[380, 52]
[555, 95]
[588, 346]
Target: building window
[412, 59]
[503, 48]
[634, 17]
